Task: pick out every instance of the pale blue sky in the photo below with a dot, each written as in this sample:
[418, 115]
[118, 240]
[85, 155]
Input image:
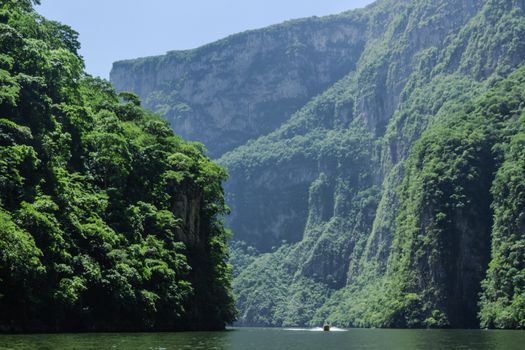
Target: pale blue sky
[112, 30]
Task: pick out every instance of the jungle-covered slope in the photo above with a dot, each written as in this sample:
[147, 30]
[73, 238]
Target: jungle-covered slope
[395, 196]
[108, 221]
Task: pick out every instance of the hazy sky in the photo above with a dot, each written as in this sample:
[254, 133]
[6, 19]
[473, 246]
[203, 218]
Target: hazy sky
[112, 30]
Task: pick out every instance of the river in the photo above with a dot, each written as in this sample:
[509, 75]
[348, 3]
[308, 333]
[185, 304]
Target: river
[278, 339]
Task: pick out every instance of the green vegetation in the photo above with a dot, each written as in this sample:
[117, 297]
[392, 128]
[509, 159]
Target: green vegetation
[108, 221]
[502, 301]
[402, 210]
[389, 195]
[445, 224]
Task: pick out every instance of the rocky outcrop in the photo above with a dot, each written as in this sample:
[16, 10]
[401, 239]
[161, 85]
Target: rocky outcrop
[234, 90]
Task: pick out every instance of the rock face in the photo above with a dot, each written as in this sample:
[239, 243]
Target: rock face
[367, 199]
[244, 86]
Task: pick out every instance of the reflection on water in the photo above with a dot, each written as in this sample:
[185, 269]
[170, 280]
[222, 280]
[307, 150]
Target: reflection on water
[280, 339]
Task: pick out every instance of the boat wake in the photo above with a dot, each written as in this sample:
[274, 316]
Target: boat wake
[316, 329]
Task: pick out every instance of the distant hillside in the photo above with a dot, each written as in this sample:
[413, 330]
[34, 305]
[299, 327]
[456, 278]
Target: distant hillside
[385, 185]
[245, 86]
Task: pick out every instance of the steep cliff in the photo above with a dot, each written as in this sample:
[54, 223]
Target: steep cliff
[228, 92]
[381, 200]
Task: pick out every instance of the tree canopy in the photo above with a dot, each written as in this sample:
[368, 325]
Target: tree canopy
[108, 221]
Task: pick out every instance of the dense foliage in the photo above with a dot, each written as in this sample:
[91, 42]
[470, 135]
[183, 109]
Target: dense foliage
[452, 209]
[400, 235]
[108, 221]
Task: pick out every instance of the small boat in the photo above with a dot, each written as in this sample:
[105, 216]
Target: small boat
[326, 327]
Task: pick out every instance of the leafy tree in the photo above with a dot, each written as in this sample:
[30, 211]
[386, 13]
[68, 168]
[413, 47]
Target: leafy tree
[108, 221]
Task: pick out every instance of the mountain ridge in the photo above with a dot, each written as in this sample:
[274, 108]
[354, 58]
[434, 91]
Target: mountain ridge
[347, 210]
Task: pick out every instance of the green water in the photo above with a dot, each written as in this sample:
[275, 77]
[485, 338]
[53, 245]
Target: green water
[267, 339]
